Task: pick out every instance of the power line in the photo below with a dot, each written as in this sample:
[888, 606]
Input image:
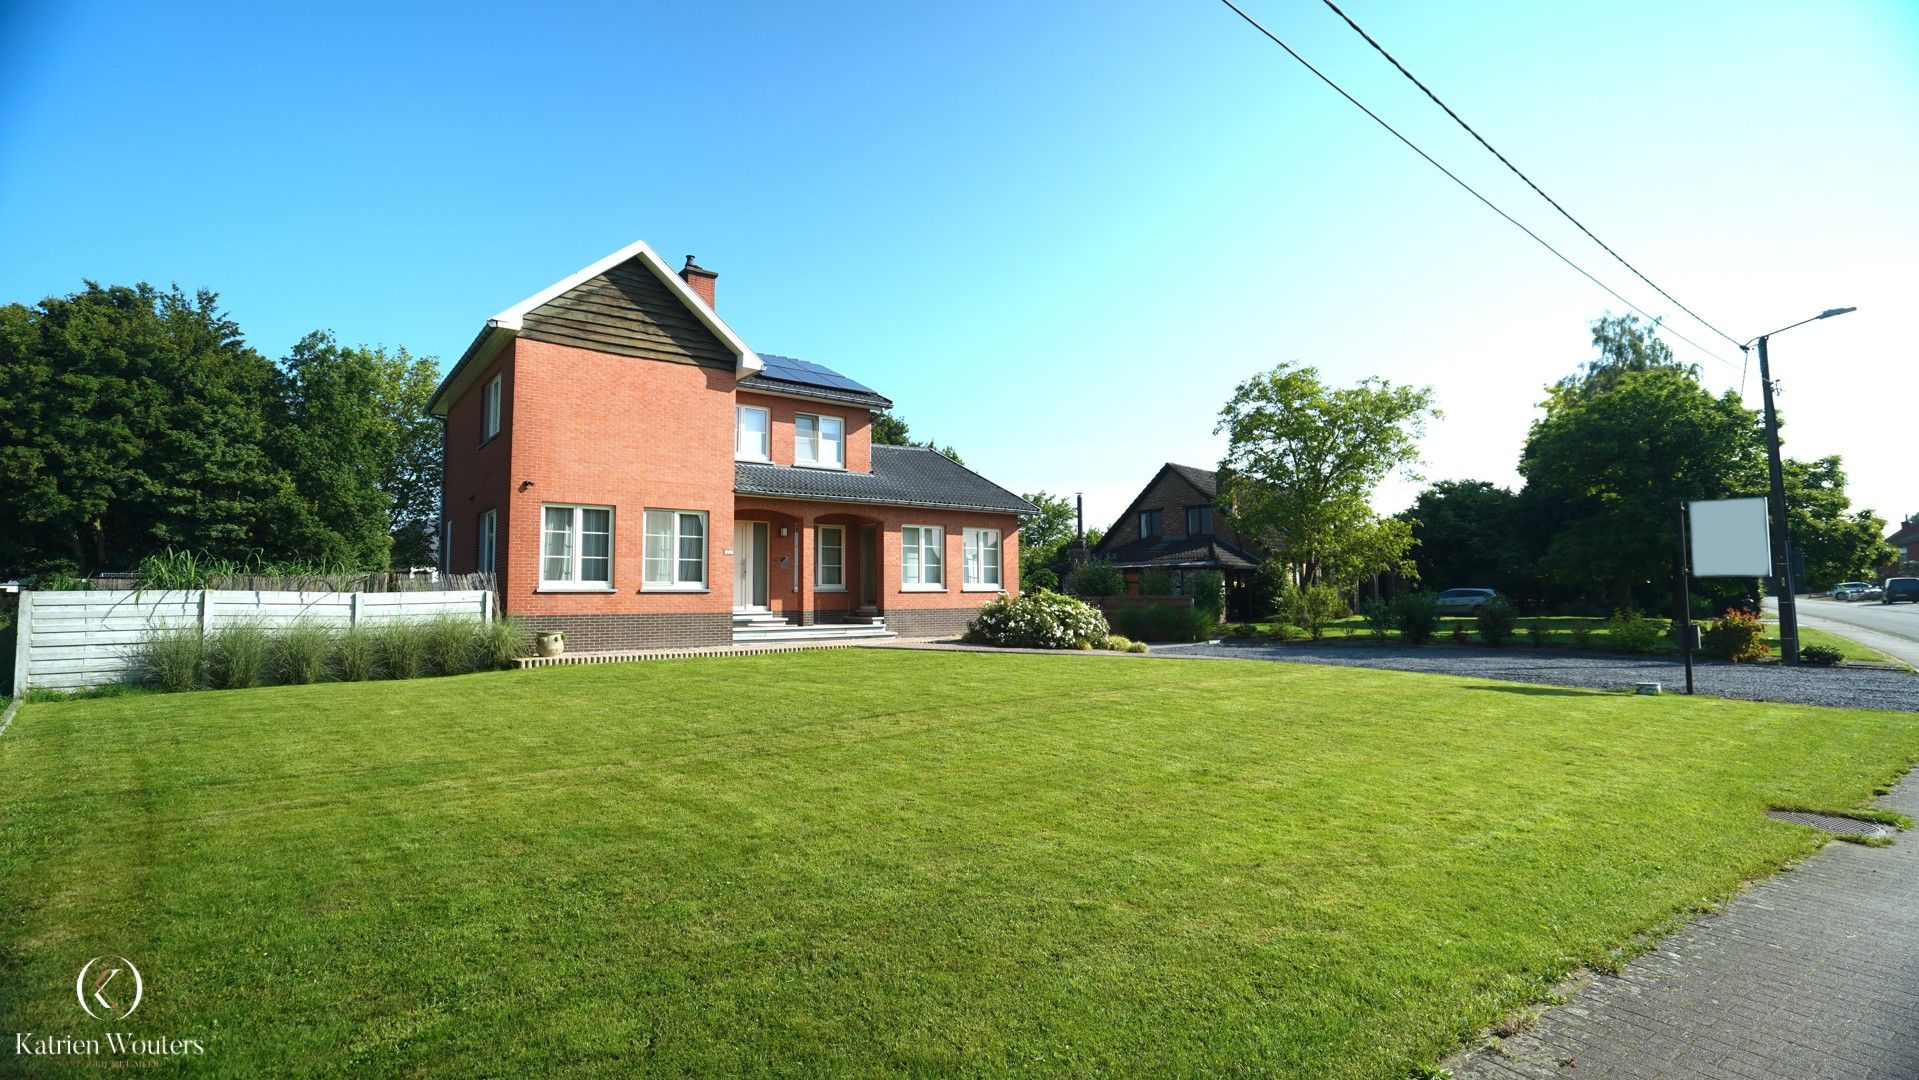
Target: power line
[1391, 59]
[1414, 147]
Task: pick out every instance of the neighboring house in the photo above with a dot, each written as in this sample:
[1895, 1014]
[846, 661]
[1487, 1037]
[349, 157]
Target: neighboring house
[1906, 539]
[1172, 525]
[638, 477]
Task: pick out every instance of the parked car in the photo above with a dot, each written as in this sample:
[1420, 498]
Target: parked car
[1900, 588]
[1851, 590]
[1464, 601]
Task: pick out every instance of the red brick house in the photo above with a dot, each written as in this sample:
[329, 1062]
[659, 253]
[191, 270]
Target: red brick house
[635, 475]
[1172, 525]
[1906, 540]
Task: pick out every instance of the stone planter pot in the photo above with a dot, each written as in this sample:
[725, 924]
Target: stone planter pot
[552, 643]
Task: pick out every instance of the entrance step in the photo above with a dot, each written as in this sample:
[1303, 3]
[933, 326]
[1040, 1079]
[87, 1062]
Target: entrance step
[763, 631]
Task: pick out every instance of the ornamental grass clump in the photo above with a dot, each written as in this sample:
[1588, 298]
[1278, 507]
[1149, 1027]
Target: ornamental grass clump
[300, 651]
[237, 655]
[356, 655]
[447, 644]
[1041, 620]
[498, 643]
[401, 646]
[173, 659]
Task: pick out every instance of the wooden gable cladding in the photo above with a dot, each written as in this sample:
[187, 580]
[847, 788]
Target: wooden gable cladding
[628, 312]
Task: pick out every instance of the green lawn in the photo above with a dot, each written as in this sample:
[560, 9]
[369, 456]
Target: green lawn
[860, 862]
[1560, 635]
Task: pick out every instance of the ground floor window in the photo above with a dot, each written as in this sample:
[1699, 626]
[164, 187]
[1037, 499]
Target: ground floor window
[576, 547]
[829, 557]
[675, 549]
[979, 568]
[922, 557]
[488, 526]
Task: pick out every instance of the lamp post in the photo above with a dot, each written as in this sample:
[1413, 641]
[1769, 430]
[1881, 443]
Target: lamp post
[1781, 559]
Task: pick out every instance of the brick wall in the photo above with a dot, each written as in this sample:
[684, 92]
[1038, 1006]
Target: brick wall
[1170, 494]
[475, 476]
[858, 425]
[615, 632]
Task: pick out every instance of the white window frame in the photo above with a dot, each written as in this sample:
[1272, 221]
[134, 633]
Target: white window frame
[486, 554]
[973, 561]
[816, 446]
[766, 435]
[575, 550]
[490, 410]
[939, 545]
[820, 584]
[649, 584]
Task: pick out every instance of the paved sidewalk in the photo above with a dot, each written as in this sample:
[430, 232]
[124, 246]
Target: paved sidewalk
[1814, 973]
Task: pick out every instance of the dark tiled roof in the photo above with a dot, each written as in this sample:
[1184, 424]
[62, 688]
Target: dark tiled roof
[818, 382]
[1203, 479]
[901, 476]
[1907, 533]
[1182, 551]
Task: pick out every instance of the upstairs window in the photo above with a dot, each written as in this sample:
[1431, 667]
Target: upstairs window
[576, 548]
[1149, 524]
[752, 433]
[490, 410]
[1199, 521]
[819, 440]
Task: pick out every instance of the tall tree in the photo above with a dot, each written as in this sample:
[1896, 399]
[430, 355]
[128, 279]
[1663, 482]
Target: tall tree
[1044, 536]
[335, 438]
[1840, 544]
[891, 429]
[1466, 535]
[411, 479]
[130, 420]
[1303, 459]
[1619, 447]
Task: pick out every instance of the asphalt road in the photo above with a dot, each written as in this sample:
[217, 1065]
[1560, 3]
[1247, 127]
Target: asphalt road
[1893, 629]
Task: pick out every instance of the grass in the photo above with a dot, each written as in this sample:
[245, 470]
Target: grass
[1558, 630]
[855, 862]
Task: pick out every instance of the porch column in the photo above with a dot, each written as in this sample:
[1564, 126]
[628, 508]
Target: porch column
[803, 569]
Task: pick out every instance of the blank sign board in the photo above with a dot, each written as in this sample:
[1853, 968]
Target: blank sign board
[1730, 538]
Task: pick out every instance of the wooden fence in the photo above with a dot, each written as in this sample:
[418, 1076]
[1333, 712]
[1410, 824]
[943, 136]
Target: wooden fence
[73, 640]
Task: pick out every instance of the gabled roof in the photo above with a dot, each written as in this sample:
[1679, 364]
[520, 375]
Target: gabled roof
[1204, 480]
[1185, 551]
[504, 325]
[1907, 533]
[901, 476]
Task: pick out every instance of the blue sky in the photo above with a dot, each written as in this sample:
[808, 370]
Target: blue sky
[1055, 235]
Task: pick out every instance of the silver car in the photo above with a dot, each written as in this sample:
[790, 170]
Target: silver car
[1851, 590]
[1464, 601]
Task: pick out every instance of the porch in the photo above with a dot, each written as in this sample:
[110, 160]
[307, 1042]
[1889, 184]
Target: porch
[805, 573]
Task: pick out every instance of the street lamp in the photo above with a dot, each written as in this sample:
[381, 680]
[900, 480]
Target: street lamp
[1781, 562]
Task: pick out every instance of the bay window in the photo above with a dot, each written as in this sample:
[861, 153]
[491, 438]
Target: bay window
[576, 548]
[675, 551]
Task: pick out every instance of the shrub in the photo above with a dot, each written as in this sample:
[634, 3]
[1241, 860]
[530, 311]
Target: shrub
[173, 659]
[401, 647]
[1138, 647]
[356, 655]
[1283, 631]
[1208, 590]
[1034, 579]
[237, 654]
[1041, 620]
[1164, 622]
[1460, 634]
[1821, 655]
[300, 651]
[447, 644]
[1539, 636]
[1155, 582]
[1270, 582]
[1497, 620]
[1380, 616]
[1312, 607]
[1735, 636]
[1417, 616]
[1582, 637]
[1629, 631]
[1096, 577]
[498, 643]
[1115, 643]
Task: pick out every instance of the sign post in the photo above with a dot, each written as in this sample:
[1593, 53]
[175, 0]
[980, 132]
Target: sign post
[1685, 598]
[1723, 538]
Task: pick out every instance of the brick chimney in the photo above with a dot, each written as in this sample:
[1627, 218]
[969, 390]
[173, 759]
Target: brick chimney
[700, 278]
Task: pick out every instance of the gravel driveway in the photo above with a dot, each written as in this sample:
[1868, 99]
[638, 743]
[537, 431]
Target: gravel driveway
[1849, 687]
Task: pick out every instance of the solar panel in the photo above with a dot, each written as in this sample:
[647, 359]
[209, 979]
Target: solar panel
[807, 373]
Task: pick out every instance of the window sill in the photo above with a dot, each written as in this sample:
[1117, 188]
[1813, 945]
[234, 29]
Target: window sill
[823, 468]
[564, 587]
[922, 588]
[829, 588]
[674, 589]
[489, 440]
[981, 588]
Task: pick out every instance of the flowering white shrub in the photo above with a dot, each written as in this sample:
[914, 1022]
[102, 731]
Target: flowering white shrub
[1038, 620]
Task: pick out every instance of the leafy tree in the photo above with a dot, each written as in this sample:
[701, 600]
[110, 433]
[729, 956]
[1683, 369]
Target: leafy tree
[1465, 532]
[411, 479]
[335, 439]
[1839, 544]
[1303, 459]
[1618, 449]
[1043, 538]
[131, 420]
[890, 429]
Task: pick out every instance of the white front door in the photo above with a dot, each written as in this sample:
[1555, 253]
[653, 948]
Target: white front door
[749, 566]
